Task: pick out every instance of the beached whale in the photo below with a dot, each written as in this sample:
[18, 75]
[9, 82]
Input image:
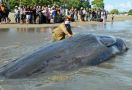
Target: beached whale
[74, 52]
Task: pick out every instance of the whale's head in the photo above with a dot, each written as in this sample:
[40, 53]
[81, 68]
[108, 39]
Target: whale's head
[118, 45]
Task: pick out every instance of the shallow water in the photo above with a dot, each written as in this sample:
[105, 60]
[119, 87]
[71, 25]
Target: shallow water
[115, 74]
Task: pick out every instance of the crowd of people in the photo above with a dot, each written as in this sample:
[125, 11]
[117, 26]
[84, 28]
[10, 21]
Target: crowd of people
[53, 14]
[50, 14]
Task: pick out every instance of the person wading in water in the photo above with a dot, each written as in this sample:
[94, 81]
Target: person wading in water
[62, 30]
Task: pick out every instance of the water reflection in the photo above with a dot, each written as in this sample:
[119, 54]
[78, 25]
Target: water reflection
[42, 29]
[25, 29]
[4, 29]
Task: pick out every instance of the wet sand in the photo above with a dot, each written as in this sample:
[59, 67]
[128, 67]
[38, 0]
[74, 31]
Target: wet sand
[74, 24]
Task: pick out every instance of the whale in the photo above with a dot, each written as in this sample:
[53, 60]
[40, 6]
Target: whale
[71, 53]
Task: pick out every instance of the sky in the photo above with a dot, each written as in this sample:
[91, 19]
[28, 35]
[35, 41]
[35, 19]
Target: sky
[121, 5]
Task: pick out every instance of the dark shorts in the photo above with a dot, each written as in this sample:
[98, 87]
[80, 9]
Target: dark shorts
[68, 27]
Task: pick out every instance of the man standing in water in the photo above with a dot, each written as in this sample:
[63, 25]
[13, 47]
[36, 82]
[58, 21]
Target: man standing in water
[112, 18]
[62, 30]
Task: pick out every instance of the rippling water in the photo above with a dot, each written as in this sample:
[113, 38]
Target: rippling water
[116, 74]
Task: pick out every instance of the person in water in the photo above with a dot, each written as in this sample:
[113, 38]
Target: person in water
[62, 30]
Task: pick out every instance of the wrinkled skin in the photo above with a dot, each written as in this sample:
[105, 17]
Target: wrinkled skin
[80, 50]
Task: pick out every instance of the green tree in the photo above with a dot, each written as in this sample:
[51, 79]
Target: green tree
[114, 11]
[73, 3]
[85, 4]
[13, 3]
[98, 3]
[130, 12]
[69, 3]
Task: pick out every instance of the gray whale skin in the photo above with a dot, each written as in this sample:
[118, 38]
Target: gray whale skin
[71, 53]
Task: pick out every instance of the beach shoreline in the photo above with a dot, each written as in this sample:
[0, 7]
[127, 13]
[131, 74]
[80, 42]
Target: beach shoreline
[73, 24]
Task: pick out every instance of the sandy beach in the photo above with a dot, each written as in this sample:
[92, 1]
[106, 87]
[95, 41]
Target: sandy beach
[13, 25]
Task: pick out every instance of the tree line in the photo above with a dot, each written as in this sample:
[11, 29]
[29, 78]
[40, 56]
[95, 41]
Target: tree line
[62, 3]
[116, 11]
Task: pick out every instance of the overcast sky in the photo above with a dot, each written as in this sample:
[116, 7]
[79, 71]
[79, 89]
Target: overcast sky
[121, 5]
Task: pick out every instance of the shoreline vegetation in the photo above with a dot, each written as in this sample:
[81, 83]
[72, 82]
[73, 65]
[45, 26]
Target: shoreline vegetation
[73, 24]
